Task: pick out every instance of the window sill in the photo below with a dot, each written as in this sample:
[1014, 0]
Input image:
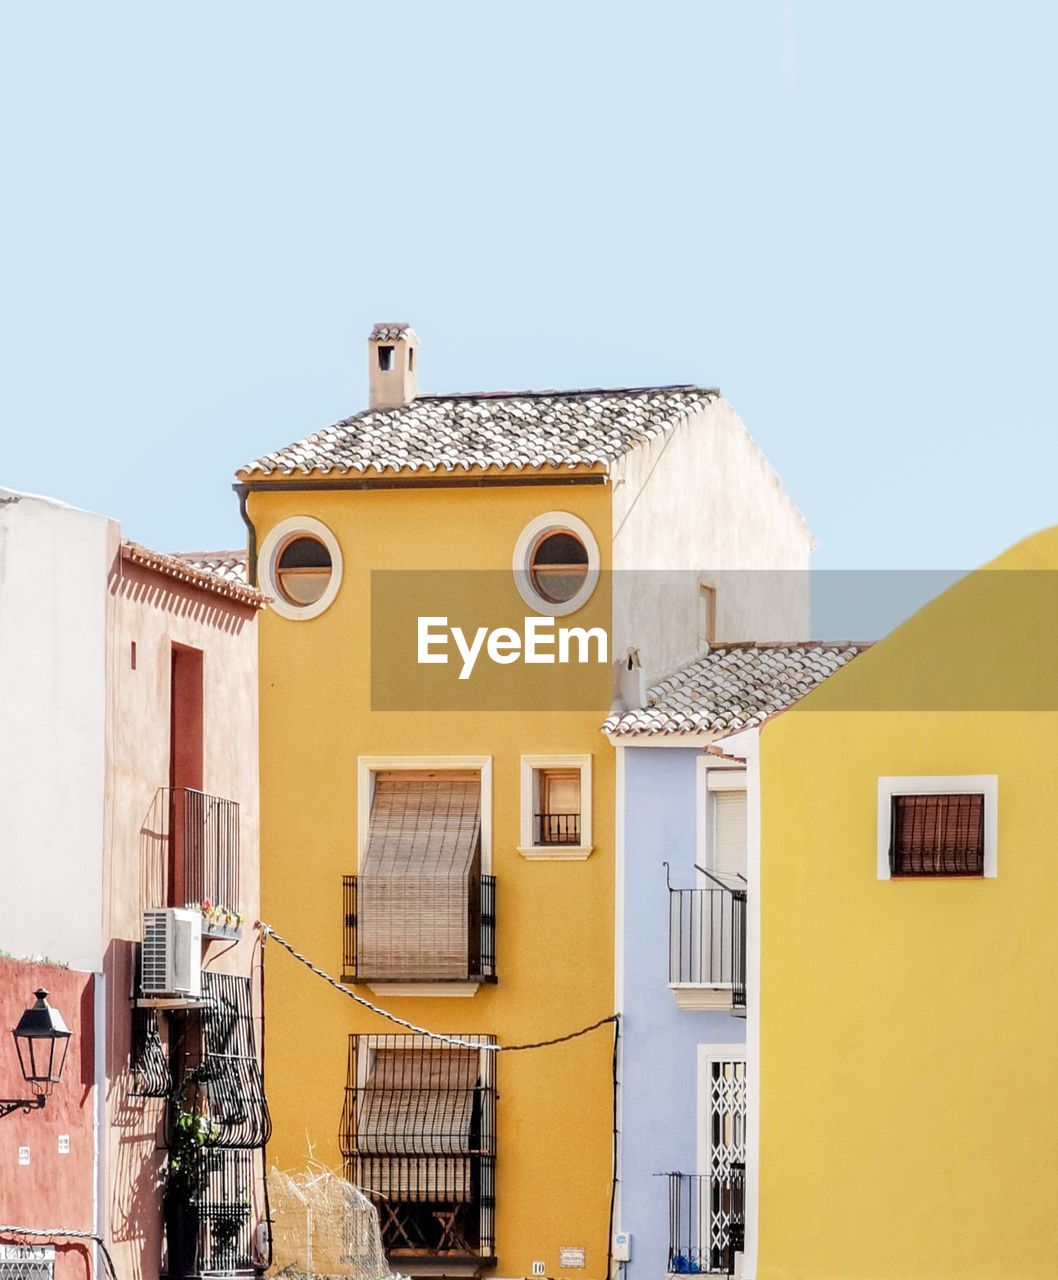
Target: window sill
[419, 990]
[556, 852]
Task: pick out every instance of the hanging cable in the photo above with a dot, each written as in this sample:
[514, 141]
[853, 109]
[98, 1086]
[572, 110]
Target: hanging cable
[455, 1041]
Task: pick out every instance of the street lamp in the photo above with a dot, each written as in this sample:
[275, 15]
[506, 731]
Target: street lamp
[41, 1039]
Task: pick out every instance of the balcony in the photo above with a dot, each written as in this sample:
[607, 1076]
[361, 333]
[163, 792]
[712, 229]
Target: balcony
[706, 1222]
[707, 947]
[433, 934]
[190, 856]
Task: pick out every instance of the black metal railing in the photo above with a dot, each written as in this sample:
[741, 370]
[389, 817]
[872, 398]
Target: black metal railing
[190, 850]
[418, 1136]
[557, 828]
[707, 938]
[409, 928]
[706, 1221]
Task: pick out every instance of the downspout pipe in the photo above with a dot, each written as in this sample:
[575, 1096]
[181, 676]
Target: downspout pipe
[243, 493]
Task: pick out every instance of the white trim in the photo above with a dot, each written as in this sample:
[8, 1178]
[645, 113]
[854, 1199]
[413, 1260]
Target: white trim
[699, 738]
[986, 784]
[620, 799]
[725, 778]
[554, 852]
[707, 1055]
[273, 541]
[368, 766]
[711, 775]
[554, 522]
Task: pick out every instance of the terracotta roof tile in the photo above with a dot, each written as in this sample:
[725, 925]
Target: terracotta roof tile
[734, 687]
[187, 570]
[502, 430]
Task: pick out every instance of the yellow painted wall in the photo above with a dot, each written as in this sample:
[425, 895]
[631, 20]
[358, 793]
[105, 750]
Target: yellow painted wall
[909, 1044]
[555, 920]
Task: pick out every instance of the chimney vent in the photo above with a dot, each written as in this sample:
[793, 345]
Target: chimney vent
[391, 365]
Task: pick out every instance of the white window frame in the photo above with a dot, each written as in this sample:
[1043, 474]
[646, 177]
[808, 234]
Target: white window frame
[713, 775]
[367, 767]
[274, 541]
[555, 852]
[985, 784]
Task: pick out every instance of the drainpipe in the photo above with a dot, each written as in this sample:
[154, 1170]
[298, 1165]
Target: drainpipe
[243, 492]
[99, 1181]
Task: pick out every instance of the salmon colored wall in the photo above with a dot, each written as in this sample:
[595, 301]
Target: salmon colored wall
[909, 1049]
[555, 919]
[53, 1190]
[158, 613]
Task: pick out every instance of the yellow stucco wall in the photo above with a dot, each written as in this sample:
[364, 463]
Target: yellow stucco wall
[909, 1048]
[555, 919]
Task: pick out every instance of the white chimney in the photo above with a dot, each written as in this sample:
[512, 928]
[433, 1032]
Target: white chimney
[392, 355]
[630, 689]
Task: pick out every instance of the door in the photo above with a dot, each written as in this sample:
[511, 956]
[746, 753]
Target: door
[722, 1151]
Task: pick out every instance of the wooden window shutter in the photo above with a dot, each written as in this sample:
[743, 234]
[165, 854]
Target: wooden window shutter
[937, 835]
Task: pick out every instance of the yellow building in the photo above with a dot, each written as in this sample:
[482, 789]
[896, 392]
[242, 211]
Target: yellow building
[909, 1049]
[437, 828]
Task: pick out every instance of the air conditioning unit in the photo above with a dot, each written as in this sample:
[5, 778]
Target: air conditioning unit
[171, 957]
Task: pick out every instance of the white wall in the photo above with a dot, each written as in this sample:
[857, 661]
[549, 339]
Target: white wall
[701, 504]
[53, 574]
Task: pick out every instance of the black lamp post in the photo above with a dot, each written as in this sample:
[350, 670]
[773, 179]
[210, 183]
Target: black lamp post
[41, 1039]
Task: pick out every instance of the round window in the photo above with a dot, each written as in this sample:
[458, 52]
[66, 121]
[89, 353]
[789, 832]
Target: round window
[556, 563]
[300, 564]
[558, 566]
[303, 570]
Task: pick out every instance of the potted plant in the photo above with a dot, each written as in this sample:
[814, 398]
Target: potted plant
[191, 1135]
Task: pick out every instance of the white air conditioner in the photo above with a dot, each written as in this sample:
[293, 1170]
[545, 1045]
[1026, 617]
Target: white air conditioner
[171, 963]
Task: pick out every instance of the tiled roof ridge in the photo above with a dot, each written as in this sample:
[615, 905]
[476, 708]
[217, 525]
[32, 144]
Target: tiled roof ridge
[558, 393]
[176, 567]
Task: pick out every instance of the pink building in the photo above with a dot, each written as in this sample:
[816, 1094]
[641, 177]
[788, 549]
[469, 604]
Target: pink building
[128, 683]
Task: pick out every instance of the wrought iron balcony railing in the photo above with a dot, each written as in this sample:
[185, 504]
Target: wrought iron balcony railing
[190, 843]
[557, 828]
[706, 1221]
[404, 928]
[707, 938]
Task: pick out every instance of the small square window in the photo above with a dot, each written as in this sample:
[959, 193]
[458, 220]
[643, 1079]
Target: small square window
[385, 359]
[938, 835]
[931, 827]
[556, 806]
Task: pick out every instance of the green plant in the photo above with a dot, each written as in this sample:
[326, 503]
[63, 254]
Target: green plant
[192, 1133]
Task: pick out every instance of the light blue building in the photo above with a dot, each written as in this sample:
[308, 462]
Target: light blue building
[684, 965]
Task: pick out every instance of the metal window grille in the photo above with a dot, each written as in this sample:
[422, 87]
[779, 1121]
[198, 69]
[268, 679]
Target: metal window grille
[937, 835]
[706, 1221]
[418, 1136]
[226, 1212]
[190, 850]
[557, 828]
[27, 1262]
[707, 939]
[473, 955]
[149, 1063]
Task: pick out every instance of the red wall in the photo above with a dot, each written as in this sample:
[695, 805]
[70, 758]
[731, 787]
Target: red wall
[52, 1190]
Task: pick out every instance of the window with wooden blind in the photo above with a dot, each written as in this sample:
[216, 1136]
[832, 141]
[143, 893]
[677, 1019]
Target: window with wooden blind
[418, 891]
[932, 826]
[418, 1136]
[937, 835]
[556, 806]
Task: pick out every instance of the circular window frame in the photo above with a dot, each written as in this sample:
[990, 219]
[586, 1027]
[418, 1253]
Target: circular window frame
[275, 543]
[528, 540]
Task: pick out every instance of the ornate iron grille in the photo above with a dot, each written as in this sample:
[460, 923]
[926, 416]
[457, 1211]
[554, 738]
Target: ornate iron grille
[151, 1076]
[228, 1073]
[190, 843]
[418, 1136]
[707, 939]
[479, 905]
[706, 1221]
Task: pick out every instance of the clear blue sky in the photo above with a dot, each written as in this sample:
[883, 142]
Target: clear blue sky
[842, 214]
